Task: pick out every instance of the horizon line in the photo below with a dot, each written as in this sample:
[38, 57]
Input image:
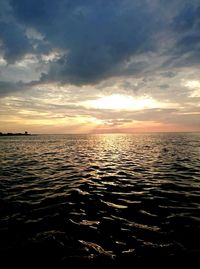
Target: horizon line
[137, 132]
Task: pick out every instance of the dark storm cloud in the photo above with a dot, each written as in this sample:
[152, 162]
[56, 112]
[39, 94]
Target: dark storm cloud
[100, 38]
[7, 88]
[188, 17]
[97, 36]
[186, 25]
[15, 44]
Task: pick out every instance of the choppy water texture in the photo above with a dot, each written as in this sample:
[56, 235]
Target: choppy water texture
[99, 198]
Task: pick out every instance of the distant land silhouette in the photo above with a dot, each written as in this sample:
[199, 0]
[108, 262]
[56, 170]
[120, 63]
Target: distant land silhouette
[9, 134]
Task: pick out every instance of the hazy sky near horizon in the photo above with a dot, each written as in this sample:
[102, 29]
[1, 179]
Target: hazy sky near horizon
[74, 66]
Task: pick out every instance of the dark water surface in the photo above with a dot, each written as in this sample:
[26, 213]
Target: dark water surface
[92, 199]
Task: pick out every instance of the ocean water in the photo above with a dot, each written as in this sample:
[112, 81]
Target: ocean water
[99, 199]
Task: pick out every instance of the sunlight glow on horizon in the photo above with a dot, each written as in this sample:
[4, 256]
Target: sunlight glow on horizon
[124, 102]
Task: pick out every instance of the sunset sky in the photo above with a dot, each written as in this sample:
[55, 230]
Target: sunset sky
[98, 66]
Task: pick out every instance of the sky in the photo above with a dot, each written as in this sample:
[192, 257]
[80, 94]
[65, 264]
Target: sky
[99, 66]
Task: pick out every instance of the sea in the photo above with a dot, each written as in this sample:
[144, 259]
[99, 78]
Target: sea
[99, 199]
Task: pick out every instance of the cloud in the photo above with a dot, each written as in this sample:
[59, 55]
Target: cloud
[169, 74]
[15, 44]
[97, 37]
[188, 17]
[7, 88]
[185, 25]
[101, 39]
[56, 55]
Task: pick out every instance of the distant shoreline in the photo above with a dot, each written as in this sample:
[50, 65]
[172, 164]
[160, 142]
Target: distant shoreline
[14, 134]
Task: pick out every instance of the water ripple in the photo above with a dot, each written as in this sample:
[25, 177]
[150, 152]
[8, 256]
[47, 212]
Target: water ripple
[99, 198]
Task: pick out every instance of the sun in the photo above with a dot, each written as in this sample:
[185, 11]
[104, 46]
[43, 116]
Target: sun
[122, 102]
[113, 102]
